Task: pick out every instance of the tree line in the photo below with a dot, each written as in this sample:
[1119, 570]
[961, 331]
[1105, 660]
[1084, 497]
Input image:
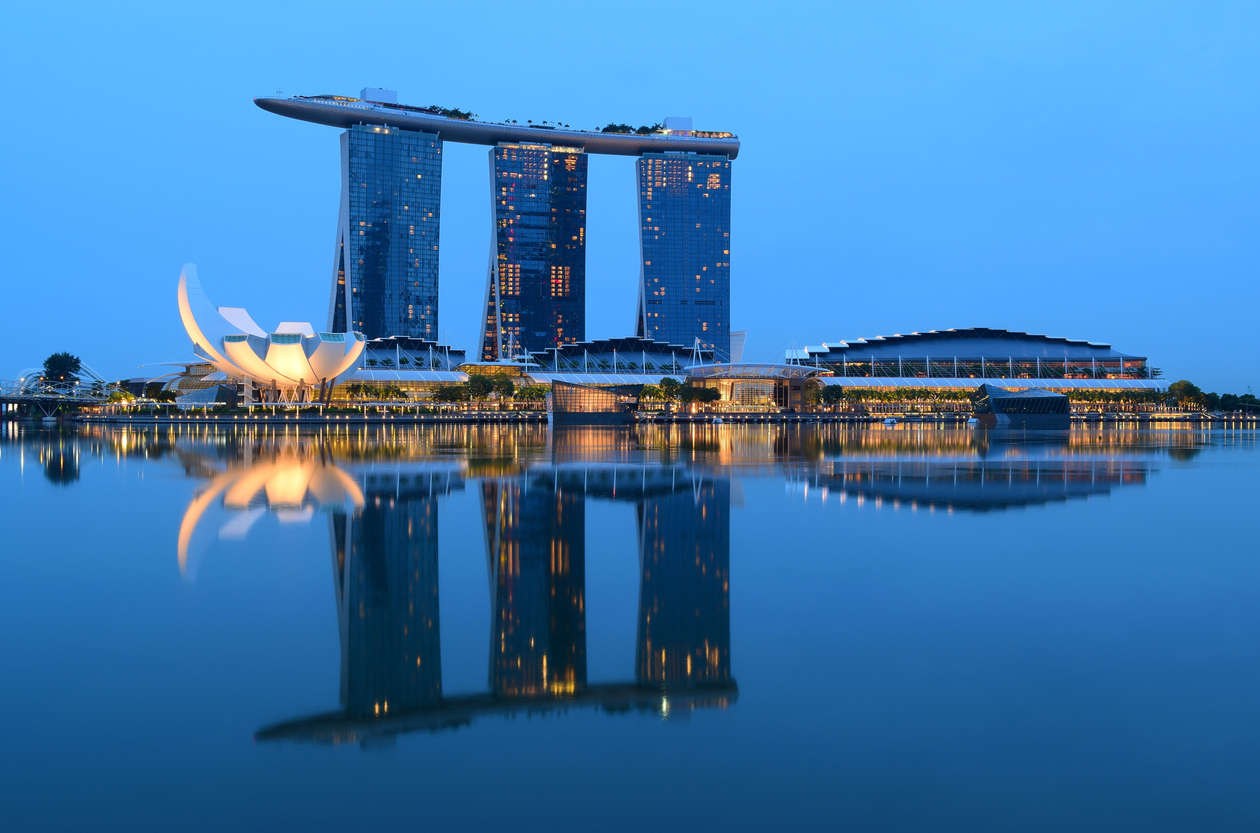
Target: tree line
[641, 130]
[1189, 395]
[478, 389]
[671, 390]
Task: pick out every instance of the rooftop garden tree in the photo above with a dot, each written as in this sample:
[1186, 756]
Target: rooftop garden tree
[453, 112]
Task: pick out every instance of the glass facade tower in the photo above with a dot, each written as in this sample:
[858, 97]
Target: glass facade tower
[685, 250]
[536, 281]
[385, 270]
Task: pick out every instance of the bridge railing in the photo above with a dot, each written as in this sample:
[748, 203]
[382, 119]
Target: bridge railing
[39, 389]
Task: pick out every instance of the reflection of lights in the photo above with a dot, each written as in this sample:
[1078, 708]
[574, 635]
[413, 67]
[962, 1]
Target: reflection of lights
[289, 486]
[664, 707]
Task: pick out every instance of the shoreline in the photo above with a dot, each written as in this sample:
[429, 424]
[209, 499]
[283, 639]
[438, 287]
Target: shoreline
[540, 418]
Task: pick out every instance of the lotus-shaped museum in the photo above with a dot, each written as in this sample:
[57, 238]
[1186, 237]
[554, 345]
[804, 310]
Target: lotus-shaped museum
[292, 362]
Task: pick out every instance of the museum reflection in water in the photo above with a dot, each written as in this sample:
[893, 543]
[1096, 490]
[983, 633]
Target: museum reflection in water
[380, 498]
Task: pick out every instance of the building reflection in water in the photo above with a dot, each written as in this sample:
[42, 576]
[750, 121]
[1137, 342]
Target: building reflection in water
[684, 633]
[385, 560]
[288, 484]
[536, 553]
[970, 485]
[385, 569]
[383, 521]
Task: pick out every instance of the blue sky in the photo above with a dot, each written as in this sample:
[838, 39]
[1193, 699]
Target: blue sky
[1078, 169]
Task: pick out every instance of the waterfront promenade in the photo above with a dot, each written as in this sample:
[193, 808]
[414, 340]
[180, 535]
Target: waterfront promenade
[385, 416]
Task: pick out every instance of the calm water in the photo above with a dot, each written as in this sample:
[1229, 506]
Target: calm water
[742, 628]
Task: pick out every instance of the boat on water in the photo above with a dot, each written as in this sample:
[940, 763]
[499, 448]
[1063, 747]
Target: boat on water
[890, 421]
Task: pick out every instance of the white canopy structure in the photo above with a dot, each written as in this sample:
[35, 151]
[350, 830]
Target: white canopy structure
[293, 360]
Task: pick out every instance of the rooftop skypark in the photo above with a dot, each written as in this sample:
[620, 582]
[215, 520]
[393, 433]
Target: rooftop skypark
[381, 108]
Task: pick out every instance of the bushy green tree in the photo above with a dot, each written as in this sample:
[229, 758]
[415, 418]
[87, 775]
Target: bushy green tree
[689, 394]
[504, 386]
[533, 393]
[61, 367]
[479, 388]
[1185, 392]
[450, 393]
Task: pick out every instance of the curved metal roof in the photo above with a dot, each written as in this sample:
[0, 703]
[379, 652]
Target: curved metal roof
[970, 342]
[377, 374]
[602, 378]
[749, 370]
[625, 344]
[344, 113]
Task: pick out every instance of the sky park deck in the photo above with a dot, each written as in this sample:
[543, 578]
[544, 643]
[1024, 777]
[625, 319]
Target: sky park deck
[342, 111]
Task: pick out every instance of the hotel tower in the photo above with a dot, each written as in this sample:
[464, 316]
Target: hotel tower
[385, 272]
[685, 250]
[536, 282]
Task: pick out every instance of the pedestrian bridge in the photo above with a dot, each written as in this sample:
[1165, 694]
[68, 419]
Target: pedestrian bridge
[49, 396]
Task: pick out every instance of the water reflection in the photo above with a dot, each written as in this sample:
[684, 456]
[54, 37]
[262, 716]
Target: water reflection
[290, 485]
[386, 568]
[973, 486]
[61, 463]
[379, 492]
[536, 557]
